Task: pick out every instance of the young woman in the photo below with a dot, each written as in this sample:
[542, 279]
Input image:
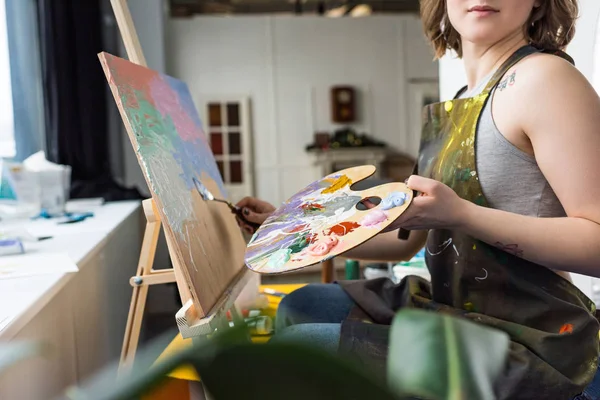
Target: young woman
[509, 182]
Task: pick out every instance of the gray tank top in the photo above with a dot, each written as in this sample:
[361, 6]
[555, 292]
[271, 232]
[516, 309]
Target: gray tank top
[510, 178]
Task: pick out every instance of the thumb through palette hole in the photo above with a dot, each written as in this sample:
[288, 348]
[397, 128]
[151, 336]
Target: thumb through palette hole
[368, 203]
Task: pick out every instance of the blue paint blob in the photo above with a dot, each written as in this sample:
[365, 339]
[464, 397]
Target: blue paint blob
[394, 199]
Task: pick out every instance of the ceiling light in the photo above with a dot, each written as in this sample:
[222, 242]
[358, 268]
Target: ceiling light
[337, 12]
[361, 10]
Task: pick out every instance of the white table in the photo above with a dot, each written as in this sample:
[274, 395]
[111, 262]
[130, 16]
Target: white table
[82, 315]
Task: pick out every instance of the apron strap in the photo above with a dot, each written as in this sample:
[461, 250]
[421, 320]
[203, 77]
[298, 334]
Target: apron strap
[461, 91]
[508, 64]
[561, 54]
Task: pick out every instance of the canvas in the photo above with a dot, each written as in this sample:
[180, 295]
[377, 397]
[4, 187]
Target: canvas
[322, 221]
[167, 136]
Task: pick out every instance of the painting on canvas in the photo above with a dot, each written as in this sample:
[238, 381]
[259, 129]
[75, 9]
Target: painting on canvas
[324, 220]
[167, 136]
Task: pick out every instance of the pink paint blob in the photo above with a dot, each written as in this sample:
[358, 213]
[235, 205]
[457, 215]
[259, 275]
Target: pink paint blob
[323, 246]
[374, 218]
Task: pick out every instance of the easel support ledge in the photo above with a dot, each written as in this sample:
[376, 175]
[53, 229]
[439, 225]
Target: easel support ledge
[190, 324]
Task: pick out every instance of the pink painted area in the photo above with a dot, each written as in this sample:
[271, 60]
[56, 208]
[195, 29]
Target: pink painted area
[171, 106]
[129, 76]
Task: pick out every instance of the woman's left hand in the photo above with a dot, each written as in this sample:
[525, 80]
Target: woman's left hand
[436, 206]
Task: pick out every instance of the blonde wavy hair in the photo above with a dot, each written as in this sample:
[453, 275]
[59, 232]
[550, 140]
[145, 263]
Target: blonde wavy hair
[550, 26]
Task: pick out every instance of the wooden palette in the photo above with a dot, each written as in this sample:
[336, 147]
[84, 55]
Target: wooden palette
[322, 221]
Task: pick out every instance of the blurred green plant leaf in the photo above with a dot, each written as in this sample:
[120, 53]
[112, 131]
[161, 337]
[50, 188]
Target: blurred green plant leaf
[146, 374]
[432, 356]
[286, 371]
[232, 367]
[441, 357]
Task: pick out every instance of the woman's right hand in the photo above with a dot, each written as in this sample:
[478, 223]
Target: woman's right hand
[254, 210]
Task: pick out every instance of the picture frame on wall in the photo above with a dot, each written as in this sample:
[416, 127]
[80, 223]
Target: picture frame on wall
[343, 104]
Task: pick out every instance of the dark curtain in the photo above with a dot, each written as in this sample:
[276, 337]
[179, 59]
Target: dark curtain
[75, 96]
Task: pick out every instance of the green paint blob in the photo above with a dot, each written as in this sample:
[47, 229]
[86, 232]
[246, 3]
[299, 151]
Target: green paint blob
[299, 244]
[154, 133]
[279, 258]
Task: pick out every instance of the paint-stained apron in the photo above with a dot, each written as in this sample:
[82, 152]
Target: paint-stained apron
[551, 323]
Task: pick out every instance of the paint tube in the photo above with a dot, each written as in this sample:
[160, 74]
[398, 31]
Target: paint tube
[273, 292]
[20, 234]
[262, 325]
[11, 246]
[245, 314]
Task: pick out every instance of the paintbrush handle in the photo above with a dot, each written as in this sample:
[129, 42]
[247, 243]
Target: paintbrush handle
[404, 234]
[238, 211]
[231, 206]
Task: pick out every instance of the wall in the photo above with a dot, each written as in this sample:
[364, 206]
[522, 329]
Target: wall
[287, 65]
[452, 76]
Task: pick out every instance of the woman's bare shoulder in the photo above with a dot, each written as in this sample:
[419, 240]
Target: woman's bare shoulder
[547, 71]
[541, 83]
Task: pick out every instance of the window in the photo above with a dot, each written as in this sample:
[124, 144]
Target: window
[7, 139]
[229, 137]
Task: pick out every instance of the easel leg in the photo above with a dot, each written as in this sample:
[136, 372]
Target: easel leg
[140, 293]
[327, 271]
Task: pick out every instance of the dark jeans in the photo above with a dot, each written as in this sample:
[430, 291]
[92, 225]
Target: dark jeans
[313, 315]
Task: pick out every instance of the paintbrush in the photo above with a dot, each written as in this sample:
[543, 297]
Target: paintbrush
[208, 196]
[404, 234]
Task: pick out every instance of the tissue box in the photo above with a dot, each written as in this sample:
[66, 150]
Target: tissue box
[19, 183]
[54, 189]
[54, 181]
[37, 183]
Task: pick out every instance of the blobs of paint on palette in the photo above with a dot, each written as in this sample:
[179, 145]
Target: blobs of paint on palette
[343, 228]
[279, 258]
[374, 218]
[302, 242]
[337, 184]
[394, 199]
[308, 207]
[323, 246]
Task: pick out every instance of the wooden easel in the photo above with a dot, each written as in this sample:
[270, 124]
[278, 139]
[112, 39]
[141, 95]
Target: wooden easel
[189, 321]
[146, 275]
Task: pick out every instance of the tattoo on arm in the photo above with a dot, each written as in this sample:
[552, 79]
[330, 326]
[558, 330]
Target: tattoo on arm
[507, 81]
[510, 248]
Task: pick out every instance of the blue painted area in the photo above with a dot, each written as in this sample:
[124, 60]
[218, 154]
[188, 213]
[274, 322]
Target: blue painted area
[191, 149]
[183, 93]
